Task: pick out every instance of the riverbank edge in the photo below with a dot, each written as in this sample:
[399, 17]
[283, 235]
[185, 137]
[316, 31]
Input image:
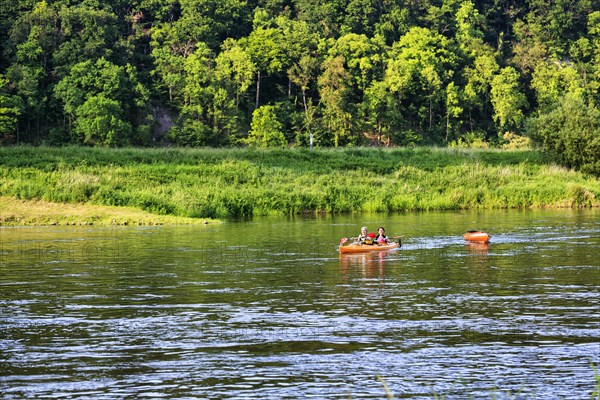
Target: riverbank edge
[153, 186]
[15, 212]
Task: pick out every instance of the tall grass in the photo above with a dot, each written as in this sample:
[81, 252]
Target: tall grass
[222, 183]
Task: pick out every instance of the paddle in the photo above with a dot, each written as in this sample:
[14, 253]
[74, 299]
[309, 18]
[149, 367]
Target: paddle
[399, 238]
[345, 240]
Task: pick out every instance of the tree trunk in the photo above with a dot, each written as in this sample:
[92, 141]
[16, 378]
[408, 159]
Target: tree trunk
[447, 124]
[310, 135]
[257, 89]
[430, 114]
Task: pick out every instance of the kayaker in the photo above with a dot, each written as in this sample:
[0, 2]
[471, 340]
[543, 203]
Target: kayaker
[363, 237]
[381, 238]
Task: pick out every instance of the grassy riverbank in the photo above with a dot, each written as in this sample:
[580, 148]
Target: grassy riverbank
[219, 183]
[39, 212]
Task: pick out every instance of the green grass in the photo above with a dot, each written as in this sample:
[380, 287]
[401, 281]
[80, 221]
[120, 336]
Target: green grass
[39, 212]
[220, 183]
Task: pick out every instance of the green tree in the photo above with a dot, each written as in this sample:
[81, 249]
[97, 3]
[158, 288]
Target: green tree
[303, 74]
[199, 96]
[507, 99]
[33, 39]
[394, 21]
[570, 133]
[362, 58]
[10, 109]
[381, 117]
[234, 70]
[37, 28]
[157, 11]
[8, 14]
[334, 91]
[298, 42]
[441, 18]
[360, 17]
[529, 48]
[477, 91]
[405, 71]
[585, 53]
[468, 27]
[561, 22]
[551, 81]
[99, 122]
[211, 21]
[594, 33]
[419, 66]
[265, 47]
[361, 64]
[198, 70]
[30, 79]
[169, 69]
[109, 81]
[266, 130]
[88, 33]
[325, 17]
[453, 108]
[225, 118]
[190, 132]
[208, 112]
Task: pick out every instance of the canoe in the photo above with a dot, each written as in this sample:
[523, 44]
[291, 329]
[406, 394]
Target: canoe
[364, 248]
[477, 236]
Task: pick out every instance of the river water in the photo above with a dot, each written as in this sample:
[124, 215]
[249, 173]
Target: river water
[268, 309]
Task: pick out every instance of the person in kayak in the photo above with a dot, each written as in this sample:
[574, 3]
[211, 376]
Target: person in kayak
[363, 237]
[381, 238]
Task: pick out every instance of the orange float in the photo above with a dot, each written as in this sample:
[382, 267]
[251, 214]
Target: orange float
[477, 236]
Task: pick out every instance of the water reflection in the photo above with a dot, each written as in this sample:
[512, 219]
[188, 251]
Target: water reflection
[369, 264]
[478, 248]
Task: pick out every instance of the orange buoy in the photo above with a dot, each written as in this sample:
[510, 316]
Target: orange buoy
[477, 236]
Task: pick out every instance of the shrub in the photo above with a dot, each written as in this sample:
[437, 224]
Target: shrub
[473, 140]
[191, 133]
[512, 141]
[570, 133]
[99, 122]
[266, 130]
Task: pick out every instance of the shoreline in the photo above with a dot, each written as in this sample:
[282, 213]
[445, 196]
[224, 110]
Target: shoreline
[130, 186]
[16, 212]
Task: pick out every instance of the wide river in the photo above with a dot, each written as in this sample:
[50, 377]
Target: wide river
[267, 308]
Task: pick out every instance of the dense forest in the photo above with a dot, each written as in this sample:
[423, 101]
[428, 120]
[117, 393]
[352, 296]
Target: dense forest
[300, 72]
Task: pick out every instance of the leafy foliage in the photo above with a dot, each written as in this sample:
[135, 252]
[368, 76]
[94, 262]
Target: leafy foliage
[99, 122]
[266, 130]
[344, 72]
[570, 133]
[9, 112]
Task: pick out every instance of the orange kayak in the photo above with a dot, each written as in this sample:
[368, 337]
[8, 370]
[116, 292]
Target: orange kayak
[477, 236]
[363, 248]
